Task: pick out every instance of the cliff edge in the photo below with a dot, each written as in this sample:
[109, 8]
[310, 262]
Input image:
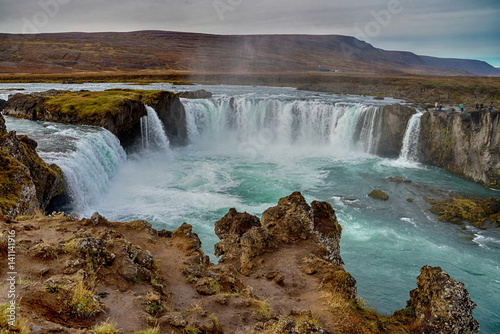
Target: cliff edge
[117, 110]
[467, 144]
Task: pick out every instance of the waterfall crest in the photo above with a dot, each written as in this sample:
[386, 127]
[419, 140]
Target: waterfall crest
[411, 141]
[339, 126]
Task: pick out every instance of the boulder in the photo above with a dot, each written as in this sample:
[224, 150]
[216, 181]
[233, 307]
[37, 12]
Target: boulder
[2, 104]
[442, 304]
[378, 194]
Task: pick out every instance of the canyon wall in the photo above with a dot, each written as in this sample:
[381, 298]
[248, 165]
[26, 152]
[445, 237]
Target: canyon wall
[467, 144]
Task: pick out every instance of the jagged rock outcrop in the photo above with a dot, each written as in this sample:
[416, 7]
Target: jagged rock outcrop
[392, 121]
[441, 304]
[291, 221]
[27, 182]
[467, 144]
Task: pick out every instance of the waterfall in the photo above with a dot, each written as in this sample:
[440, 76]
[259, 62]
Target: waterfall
[411, 141]
[89, 166]
[152, 132]
[344, 127]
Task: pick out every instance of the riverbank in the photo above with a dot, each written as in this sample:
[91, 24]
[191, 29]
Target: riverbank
[417, 89]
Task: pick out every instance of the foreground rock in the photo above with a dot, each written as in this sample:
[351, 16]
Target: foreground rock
[27, 183]
[281, 274]
[442, 304]
[466, 144]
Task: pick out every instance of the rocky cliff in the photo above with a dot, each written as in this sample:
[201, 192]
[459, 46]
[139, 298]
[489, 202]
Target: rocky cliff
[392, 122]
[467, 144]
[281, 274]
[27, 183]
[117, 110]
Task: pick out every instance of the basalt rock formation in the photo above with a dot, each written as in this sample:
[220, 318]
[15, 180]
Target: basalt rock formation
[117, 110]
[171, 112]
[442, 304]
[281, 275]
[467, 144]
[27, 183]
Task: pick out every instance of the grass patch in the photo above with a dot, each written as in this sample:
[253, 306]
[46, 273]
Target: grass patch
[20, 325]
[82, 303]
[150, 330]
[263, 308]
[106, 327]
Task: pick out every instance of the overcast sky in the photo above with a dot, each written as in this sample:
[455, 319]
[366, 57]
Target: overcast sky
[443, 28]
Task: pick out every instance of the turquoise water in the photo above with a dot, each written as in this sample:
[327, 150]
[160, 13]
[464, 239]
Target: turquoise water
[275, 142]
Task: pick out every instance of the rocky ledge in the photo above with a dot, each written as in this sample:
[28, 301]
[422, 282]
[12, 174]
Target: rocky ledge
[279, 274]
[117, 110]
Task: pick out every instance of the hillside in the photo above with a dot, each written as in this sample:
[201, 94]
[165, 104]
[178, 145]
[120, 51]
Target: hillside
[177, 52]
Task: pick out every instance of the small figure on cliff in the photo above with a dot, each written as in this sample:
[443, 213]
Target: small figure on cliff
[462, 107]
[477, 106]
[440, 107]
[490, 109]
[436, 105]
[481, 106]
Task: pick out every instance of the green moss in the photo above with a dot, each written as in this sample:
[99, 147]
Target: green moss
[95, 105]
[13, 176]
[474, 211]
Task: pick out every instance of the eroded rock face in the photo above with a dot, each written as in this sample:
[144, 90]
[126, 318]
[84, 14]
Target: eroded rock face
[29, 182]
[230, 229]
[466, 144]
[442, 304]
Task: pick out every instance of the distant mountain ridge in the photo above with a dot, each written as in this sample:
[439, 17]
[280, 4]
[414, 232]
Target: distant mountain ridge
[204, 53]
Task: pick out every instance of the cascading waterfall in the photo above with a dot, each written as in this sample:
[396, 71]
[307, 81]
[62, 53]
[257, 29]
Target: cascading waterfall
[90, 167]
[152, 132]
[411, 140]
[340, 126]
